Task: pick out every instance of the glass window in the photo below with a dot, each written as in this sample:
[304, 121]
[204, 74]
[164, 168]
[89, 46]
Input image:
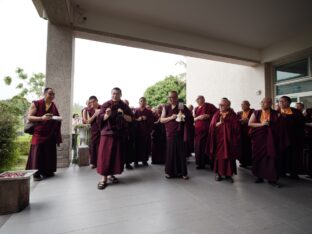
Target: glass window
[297, 87]
[292, 70]
[307, 101]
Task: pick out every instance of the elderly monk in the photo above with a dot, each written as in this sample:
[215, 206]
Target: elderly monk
[176, 116]
[158, 138]
[224, 138]
[93, 113]
[47, 134]
[144, 124]
[264, 139]
[245, 158]
[202, 116]
[291, 136]
[112, 120]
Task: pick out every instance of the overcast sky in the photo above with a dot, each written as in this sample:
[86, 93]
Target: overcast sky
[98, 66]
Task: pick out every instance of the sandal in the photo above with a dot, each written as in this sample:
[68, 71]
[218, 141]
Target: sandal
[218, 178]
[168, 176]
[185, 177]
[37, 178]
[102, 185]
[113, 179]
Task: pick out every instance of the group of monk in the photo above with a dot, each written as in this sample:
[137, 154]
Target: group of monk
[273, 142]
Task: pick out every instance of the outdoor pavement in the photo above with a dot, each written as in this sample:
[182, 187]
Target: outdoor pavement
[145, 202]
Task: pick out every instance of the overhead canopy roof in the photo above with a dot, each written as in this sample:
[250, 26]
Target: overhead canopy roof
[242, 31]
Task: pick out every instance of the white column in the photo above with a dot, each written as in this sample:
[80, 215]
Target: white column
[59, 76]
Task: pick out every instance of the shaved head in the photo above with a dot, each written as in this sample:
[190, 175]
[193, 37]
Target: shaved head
[173, 97]
[245, 105]
[224, 105]
[266, 103]
[200, 100]
[226, 100]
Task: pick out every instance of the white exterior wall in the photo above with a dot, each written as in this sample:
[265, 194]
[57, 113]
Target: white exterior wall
[215, 80]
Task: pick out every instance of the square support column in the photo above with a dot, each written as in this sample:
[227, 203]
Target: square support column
[59, 76]
[269, 80]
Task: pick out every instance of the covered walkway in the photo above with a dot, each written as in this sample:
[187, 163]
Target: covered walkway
[145, 202]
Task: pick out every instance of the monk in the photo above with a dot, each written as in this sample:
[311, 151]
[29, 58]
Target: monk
[112, 121]
[202, 116]
[224, 138]
[307, 150]
[46, 136]
[144, 124]
[190, 131]
[264, 139]
[176, 116]
[300, 107]
[84, 112]
[291, 135]
[191, 108]
[94, 112]
[130, 145]
[158, 138]
[245, 159]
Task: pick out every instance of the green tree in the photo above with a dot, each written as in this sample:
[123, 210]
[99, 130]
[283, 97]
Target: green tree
[27, 84]
[19, 105]
[13, 113]
[158, 93]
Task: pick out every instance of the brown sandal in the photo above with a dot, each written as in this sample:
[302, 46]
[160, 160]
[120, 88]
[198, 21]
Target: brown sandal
[114, 180]
[102, 185]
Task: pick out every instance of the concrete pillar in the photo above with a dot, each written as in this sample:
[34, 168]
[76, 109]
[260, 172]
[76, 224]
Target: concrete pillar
[269, 80]
[59, 76]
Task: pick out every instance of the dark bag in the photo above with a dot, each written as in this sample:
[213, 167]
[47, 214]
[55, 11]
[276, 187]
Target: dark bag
[30, 128]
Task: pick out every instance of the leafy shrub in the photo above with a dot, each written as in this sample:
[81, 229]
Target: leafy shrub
[9, 124]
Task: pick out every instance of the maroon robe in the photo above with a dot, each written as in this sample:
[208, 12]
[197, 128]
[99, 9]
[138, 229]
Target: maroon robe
[130, 135]
[158, 141]
[177, 138]
[113, 142]
[225, 143]
[245, 158]
[143, 134]
[202, 132]
[307, 150]
[47, 135]
[291, 140]
[95, 137]
[264, 142]
[190, 131]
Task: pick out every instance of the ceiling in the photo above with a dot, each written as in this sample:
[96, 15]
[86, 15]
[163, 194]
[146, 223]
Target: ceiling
[250, 23]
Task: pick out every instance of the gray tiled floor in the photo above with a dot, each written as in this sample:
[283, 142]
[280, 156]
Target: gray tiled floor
[144, 202]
